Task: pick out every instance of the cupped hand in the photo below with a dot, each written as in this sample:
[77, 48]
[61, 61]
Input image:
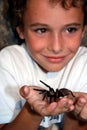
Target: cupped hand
[43, 107]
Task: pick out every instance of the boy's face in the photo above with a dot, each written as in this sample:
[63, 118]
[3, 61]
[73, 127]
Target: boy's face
[52, 34]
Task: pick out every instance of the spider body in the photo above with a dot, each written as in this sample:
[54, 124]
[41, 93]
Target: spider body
[54, 95]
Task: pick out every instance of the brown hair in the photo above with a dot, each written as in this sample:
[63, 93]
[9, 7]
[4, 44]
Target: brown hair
[16, 9]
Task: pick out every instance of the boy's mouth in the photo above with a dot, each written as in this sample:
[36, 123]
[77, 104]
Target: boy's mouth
[55, 59]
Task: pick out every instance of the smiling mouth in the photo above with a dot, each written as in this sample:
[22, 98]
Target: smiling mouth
[55, 59]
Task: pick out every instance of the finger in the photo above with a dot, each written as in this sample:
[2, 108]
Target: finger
[63, 105]
[66, 104]
[54, 108]
[46, 110]
[24, 91]
[79, 105]
[80, 94]
[83, 113]
[79, 110]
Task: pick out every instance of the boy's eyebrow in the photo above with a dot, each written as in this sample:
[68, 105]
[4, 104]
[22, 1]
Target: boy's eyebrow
[38, 24]
[73, 24]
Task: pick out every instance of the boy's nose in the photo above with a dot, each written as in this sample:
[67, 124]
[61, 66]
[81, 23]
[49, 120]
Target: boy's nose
[56, 44]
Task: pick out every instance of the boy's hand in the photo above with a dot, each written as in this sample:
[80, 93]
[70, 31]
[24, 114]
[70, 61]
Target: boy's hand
[80, 110]
[42, 107]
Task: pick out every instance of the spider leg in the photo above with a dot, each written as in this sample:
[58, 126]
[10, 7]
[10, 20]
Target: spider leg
[44, 96]
[49, 94]
[50, 100]
[45, 84]
[50, 89]
[56, 95]
[42, 91]
[72, 94]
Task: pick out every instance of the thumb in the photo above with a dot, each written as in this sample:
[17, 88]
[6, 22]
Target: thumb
[24, 91]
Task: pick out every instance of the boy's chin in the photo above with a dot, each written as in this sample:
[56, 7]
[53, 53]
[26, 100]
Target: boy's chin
[51, 69]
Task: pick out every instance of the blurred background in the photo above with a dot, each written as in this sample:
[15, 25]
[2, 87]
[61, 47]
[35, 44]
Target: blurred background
[6, 34]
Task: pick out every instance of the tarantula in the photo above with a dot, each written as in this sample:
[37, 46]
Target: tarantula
[54, 95]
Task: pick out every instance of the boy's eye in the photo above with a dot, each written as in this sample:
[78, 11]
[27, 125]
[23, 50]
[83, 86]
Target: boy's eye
[71, 29]
[41, 30]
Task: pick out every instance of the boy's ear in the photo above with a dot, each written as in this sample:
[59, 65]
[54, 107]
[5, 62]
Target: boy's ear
[20, 32]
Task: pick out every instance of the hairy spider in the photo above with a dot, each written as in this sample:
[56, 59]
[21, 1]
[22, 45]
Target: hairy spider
[54, 95]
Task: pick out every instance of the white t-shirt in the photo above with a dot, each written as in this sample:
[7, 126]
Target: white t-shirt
[17, 69]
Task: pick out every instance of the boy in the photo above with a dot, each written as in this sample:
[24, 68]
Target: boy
[52, 31]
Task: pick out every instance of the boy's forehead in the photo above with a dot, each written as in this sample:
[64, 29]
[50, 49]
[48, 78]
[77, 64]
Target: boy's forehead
[44, 12]
[65, 4]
